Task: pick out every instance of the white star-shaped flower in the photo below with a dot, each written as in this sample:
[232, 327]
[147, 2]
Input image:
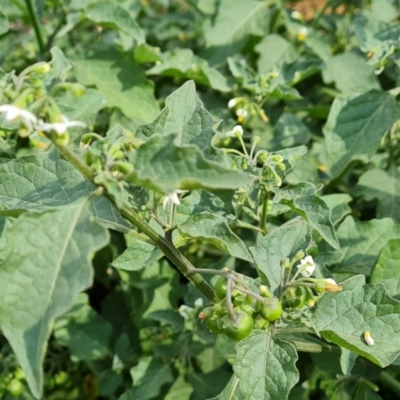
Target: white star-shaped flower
[60, 127]
[235, 132]
[172, 198]
[307, 266]
[12, 113]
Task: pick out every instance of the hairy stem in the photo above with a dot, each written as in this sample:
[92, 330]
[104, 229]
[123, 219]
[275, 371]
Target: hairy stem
[35, 23]
[170, 251]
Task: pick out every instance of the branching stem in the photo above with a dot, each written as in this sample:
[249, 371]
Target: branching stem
[170, 251]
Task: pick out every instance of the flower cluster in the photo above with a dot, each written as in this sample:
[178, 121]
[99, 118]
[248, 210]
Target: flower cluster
[13, 113]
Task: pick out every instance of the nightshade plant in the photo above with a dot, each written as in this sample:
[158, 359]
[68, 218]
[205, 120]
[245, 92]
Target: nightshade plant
[199, 200]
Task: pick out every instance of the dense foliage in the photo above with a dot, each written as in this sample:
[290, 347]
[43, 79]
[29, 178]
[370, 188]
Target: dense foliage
[199, 199]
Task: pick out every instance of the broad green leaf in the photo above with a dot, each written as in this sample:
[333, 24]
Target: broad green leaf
[386, 269]
[184, 115]
[338, 203]
[294, 72]
[206, 385]
[265, 366]
[228, 31]
[120, 81]
[84, 331]
[60, 66]
[289, 131]
[182, 63]
[45, 180]
[282, 242]
[113, 16]
[383, 10]
[344, 317]
[161, 165]
[48, 265]
[180, 389]
[137, 256]
[361, 242]
[350, 73]
[274, 51]
[213, 229]
[231, 391]
[356, 126]
[4, 24]
[383, 186]
[302, 199]
[5, 223]
[379, 38]
[149, 376]
[83, 108]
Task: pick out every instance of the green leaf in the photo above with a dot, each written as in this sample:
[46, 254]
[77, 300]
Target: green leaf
[137, 256]
[84, 331]
[45, 180]
[282, 242]
[60, 66]
[149, 376]
[350, 73]
[163, 166]
[361, 242]
[183, 64]
[184, 115]
[386, 269]
[344, 317]
[4, 24]
[231, 391]
[274, 51]
[265, 366]
[383, 186]
[83, 108]
[289, 131]
[5, 223]
[301, 198]
[213, 229]
[48, 265]
[228, 31]
[206, 385]
[113, 16]
[120, 81]
[338, 203]
[180, 389]
[356, 126]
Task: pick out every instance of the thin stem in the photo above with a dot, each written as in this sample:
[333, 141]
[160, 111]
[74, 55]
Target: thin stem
[250, 293]
[243, 146]
[233, 151]
[35, 23]
[170, 251]
[264, 214]
[314, 347]
[392, 383]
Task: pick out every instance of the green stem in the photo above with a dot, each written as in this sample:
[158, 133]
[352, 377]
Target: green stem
[170, 251]
[35, 23]
[314, 347]
[392, 383]
[264, 214]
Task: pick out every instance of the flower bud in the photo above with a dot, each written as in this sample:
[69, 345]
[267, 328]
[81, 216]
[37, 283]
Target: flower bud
[232, 103]
[264, 292]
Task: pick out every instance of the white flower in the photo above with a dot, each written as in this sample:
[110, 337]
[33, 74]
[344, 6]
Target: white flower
[185, 311]
[297, 15]
[172, 198]
[232, 103]
[307, 266]
[199, 303]
[12, 113]
[235, 132]
[241, 112]
[302, 33]
[59, 127]
[368, 338]
[330, 281]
